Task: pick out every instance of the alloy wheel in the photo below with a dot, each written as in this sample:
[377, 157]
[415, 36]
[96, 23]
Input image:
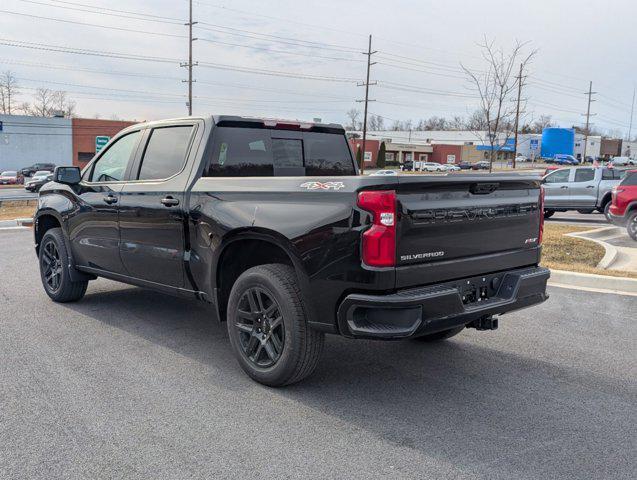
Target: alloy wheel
[259, 323]
[51, 266]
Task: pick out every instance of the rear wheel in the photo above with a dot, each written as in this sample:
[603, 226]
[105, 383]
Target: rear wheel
[631, 225]
[607, 210]
[55, 270]
[268, 328]
[549, 213]
[435, 337]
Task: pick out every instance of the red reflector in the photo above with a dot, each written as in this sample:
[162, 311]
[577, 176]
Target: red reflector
[379, 241]
[541, 234]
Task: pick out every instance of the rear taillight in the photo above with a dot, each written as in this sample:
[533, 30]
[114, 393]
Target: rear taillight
[379, 241]
[541, 234]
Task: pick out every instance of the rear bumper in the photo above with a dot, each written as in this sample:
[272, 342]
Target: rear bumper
[420, 311]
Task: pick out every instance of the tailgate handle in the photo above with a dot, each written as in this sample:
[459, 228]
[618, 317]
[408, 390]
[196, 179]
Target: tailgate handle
[483, 188]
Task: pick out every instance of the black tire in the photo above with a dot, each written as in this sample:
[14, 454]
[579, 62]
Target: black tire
[445, 334]
[607, 211]
[549, 213]
[259, 294]
[55, 271]
[586, 212]
[631, 226]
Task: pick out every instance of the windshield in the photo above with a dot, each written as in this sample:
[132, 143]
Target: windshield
[42, 173]
[9, 173]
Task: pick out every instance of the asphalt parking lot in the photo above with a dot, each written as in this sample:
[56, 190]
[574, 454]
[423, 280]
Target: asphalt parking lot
[133, 384]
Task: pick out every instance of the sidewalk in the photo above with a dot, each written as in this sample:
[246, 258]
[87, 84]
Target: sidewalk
[621, 250]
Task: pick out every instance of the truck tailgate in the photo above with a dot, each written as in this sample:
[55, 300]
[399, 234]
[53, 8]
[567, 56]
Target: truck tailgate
[460, 225]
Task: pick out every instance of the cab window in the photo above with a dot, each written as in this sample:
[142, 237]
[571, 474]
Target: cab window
[584, 175]
[165, 152]
[559, 176]
[111, 166]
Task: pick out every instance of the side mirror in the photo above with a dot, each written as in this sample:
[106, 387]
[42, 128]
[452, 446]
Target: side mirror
[67, 175]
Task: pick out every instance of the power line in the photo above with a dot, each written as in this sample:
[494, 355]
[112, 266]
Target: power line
[74, 22]
[110, 12]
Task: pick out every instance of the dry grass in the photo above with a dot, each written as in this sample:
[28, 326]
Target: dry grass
[574, 254]
[10, 210]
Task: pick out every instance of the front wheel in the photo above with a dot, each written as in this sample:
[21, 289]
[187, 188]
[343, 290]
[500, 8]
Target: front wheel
[631, 226]
[55, 269]
[268, 328]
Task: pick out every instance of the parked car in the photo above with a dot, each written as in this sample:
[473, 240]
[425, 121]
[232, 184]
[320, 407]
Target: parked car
[584, 189]
[450, 167]
[384, 173]
[522, 158]
[37, 181]
[36, 167]
[432, 167]
[271, 224]
[622, 162]
[565, 160]
[623, 210]
[465, 165]
[9, 177]
[481, 165]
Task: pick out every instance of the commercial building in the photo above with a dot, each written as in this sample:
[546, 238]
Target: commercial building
[25, 140]
[85, 133]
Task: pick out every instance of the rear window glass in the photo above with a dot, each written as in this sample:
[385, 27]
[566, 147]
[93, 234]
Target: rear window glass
[584, 174]
[165, 153]
[559, 176]
[630, 180]
[240, 152]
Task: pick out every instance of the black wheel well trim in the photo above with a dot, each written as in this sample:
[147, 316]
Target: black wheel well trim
[632, 206]
[606, 199]
[260, 235]
[45, 212]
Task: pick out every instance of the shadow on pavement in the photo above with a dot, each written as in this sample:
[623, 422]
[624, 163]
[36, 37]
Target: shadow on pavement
[458, 401]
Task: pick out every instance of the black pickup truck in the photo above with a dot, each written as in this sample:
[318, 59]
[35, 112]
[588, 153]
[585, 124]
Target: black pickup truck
[270, 223]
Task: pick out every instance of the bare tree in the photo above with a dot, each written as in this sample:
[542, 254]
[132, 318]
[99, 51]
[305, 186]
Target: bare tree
[43, 103]
[8, 92]
[495, 86]
[63, 104]
[353, 116]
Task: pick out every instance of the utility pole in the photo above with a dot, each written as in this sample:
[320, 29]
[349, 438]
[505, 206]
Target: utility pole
[630, 125]
[590, 94]
[369, 54]
[190, 63]
[517, 115]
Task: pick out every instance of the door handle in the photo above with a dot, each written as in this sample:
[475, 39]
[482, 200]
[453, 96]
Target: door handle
[563, 186]
[591, 186]
[110, 199]
[169, 201]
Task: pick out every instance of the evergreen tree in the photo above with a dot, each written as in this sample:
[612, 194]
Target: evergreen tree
[380, 163]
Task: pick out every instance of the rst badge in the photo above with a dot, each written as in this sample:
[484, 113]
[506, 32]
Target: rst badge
[322, 185]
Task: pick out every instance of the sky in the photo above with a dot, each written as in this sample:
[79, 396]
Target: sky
[303, 60]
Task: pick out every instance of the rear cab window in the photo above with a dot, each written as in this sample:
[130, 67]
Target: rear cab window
[584, 175]
[253, 152]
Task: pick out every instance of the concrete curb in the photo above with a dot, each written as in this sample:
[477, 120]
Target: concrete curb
[593, 281]
[24, 222]
[611, 251]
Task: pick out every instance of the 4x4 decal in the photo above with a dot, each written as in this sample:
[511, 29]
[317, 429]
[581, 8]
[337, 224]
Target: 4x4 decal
[323, 185]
